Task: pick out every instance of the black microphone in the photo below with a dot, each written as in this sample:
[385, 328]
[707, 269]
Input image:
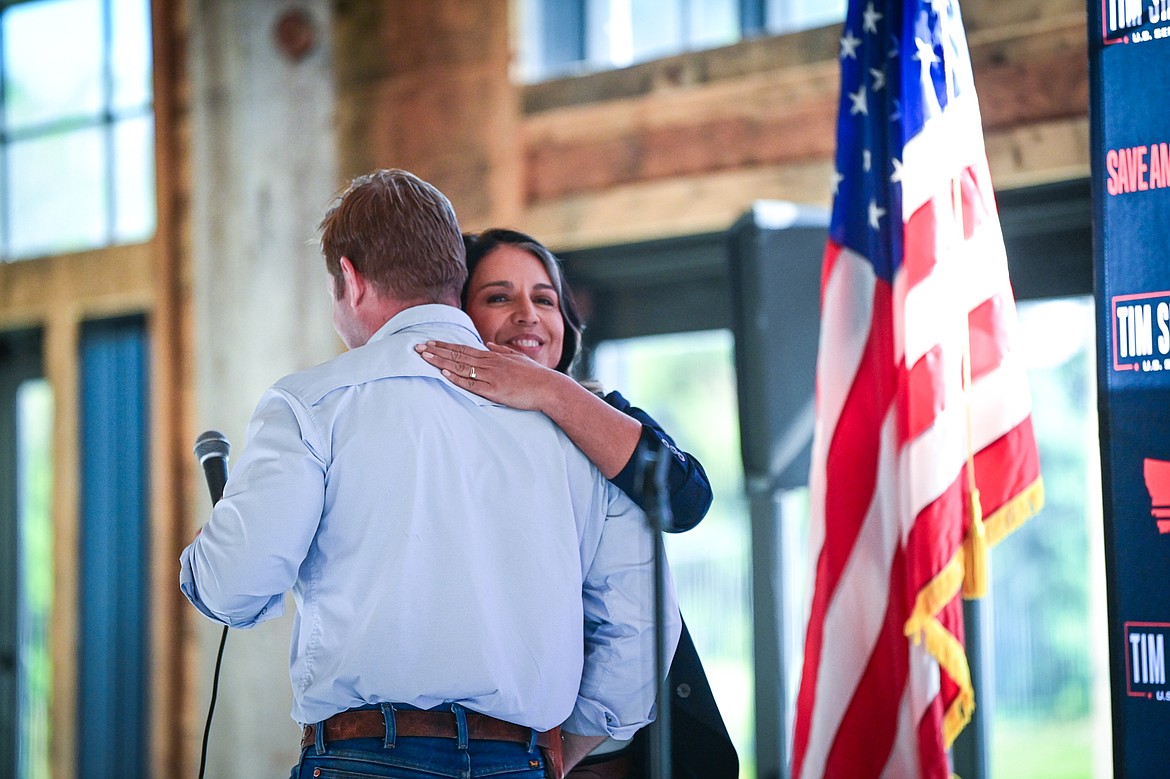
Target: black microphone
[211, 448]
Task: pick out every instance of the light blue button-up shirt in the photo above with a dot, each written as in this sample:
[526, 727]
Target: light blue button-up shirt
[440, 548]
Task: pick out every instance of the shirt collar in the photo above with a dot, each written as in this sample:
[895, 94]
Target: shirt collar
[428, 313]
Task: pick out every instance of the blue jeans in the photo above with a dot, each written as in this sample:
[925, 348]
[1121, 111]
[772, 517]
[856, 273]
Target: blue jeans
[417, 757]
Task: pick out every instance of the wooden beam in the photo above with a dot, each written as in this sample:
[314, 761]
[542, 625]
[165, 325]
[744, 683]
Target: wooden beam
[766, 55]
[1039, 153]
[1039, 73]
[62, 371]
[675, 206]
[1029, 74]
[105, 282]
[1021, 156]
[759, 120]
[170, 411]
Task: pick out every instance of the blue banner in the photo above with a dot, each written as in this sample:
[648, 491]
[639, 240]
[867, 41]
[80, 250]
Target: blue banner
[1129, 48]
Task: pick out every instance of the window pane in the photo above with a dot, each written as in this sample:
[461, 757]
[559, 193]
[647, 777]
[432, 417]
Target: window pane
[134, 180]
[66, 35]
[131, 53]
[1051, 693]
[791, 15]
[58, 194]
[618, 33]
[623, 32]
[89, 182]
[687, 383]
[712, 23]
[655, 28]
[34, 408]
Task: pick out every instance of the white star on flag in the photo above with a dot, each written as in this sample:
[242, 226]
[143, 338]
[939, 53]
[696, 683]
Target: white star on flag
[849, 45]
[859, 106]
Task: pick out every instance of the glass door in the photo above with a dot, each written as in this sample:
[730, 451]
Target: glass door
[1049, 694]
[26, 556]
[686, 381]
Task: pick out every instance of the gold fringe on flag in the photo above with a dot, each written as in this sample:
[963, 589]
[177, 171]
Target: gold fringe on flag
[923, 627]
[938, 592]
[1015, 512]
[952, 660]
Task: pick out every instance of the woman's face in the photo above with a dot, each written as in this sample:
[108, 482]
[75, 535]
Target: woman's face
[513, 302]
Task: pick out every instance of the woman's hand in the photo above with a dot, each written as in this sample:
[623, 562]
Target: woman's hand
[501, 375]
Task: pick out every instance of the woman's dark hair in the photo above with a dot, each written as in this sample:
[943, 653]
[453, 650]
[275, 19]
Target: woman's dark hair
[480, 245]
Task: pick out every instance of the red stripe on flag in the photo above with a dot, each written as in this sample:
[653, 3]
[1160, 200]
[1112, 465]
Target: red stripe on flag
[920, 242]
[852, 459]
[862, 744]
[990, 337]
[975, 181]
[935, 535]
[850, 477]
[828, 263]
[1005, 467]
[923, 391]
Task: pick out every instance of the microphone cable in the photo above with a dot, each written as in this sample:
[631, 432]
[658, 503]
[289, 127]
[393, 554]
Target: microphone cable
[211, 706]
[211, 449]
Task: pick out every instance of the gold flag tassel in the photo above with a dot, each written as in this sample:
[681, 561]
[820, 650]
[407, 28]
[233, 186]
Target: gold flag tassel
[975, 550]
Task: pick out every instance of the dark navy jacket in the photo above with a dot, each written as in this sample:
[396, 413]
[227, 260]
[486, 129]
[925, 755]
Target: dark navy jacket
[700, 745]
[690, 492]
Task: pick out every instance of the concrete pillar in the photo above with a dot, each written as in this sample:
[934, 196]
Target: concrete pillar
[262, 172]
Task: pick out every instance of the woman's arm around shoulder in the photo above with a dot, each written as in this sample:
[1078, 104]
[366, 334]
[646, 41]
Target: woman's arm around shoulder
[687, 483]
[607, 430]
[602, 432]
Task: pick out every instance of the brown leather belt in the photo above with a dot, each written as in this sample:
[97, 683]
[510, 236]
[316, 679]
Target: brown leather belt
[621, 765]
[369, 723]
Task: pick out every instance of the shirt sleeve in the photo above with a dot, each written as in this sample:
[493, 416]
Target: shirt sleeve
[238, 568]
[690, 491]
[618, 684]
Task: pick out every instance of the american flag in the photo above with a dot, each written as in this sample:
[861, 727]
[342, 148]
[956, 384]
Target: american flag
[923, 454]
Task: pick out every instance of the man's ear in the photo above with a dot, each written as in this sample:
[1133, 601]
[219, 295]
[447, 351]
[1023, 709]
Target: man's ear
[355, 283]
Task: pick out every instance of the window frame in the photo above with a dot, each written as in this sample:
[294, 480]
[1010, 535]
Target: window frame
[107, 119]
[564, 38]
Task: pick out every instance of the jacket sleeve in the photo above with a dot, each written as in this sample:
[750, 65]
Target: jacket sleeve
[690, 491]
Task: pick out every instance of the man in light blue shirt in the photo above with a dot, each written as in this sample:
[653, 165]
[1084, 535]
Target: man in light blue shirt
[465, 580]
